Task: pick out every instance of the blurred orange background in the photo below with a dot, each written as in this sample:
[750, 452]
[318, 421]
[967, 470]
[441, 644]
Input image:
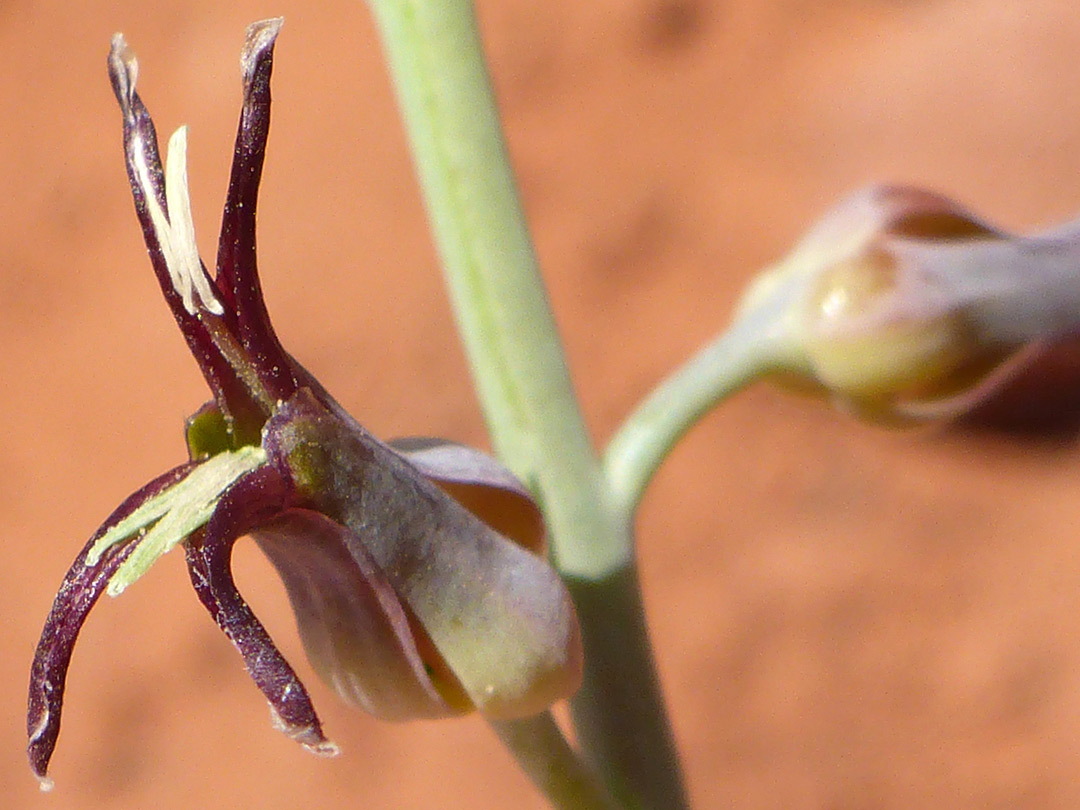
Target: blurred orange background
[844, 617]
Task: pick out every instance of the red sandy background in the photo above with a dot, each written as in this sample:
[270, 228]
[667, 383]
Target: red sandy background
[844, 617]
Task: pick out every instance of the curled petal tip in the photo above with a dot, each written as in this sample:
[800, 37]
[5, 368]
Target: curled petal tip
[324, 749]
[260, 35]
[309, 736]
[258, 40]
[262, 32]
[117, 45]
[44, 783]
[39, 750]
[42, 738]
[124, 73]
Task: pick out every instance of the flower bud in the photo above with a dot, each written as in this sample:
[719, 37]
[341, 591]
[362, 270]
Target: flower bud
[903, 307]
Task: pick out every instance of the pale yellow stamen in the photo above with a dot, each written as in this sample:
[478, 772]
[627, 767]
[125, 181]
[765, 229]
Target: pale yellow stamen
[176, 237]
[186, 253]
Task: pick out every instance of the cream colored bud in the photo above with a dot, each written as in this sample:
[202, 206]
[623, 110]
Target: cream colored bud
[879, 357]
[901, 306]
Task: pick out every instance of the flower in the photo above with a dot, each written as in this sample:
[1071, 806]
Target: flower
[903, 307]
[415, 569]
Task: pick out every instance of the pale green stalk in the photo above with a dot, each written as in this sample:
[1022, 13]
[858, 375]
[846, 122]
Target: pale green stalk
[725, 366]
[552, 765]
[495, 287]
[517, 360]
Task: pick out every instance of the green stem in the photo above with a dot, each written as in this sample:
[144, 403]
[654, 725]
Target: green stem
[544, 754]
[499, 299]
[619, 711]
[732, 361]
[509, 333]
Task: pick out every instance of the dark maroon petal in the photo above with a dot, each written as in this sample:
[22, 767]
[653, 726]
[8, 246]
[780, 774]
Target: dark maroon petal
[252, 500]
[211, 338]
[238, 277]
[79, 591]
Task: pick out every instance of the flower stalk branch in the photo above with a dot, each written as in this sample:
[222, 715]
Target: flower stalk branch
[735, 359]
[542, 751]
